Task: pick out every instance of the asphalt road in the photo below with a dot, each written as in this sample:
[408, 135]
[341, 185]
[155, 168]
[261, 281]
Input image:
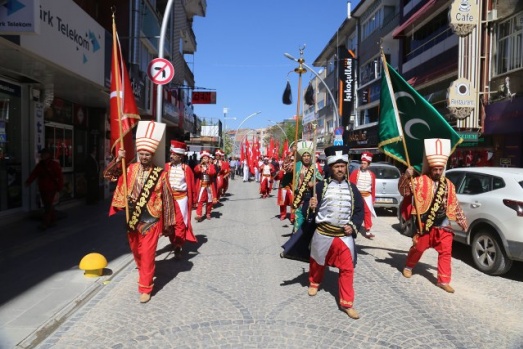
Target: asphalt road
[232, 290]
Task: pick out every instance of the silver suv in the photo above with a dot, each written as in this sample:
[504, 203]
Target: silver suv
[387, 177]
[492, 200]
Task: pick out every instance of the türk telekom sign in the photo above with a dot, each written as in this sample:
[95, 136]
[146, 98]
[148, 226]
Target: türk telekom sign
[20, 17]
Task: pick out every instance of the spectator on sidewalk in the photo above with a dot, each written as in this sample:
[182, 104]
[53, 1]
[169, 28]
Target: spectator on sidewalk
[92, 176]
[48, 174]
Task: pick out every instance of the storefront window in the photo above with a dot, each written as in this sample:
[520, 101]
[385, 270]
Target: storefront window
[10, 146]
[59, 139]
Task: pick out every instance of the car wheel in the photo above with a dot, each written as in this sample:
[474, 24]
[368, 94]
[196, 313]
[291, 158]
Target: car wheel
[488, 254]
[407, 226]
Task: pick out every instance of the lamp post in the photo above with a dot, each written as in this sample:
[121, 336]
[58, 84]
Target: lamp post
[301, 62]
[237, 145]
[278, 125]
[224, 132]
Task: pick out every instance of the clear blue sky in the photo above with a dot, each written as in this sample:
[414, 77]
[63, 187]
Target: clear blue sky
[240, 47]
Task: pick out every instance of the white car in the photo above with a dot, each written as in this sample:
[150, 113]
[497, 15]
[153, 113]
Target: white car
[492, 200]
[387, 193]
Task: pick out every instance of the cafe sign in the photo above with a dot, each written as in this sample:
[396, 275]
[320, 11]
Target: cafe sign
[464, 16]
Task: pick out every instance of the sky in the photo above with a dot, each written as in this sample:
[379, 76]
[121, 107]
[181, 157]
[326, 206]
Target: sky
[240, 47]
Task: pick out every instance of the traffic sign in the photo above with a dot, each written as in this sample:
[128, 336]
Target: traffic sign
[160, 71]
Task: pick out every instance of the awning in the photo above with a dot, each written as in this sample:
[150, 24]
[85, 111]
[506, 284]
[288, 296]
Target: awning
[417, 15]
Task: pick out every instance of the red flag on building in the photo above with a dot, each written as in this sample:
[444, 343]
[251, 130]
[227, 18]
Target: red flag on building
[124, 113]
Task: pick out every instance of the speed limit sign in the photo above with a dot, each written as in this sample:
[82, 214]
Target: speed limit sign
[160, 71]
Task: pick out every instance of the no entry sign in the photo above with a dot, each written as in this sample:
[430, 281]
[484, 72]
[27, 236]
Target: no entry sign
[160, 71]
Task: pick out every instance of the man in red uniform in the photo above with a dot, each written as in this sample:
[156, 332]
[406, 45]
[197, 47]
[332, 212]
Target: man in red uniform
[147, 194]
[181, 184]
[222, 177]
[50, 182]
[266, 177]
[436, 203]
[365, 180]
[205, 173]
[285, 195]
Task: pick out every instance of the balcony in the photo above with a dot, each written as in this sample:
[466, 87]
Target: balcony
[195, 8]
[189, 41]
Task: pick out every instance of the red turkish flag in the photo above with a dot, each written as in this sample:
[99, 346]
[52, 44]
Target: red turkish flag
[124, 113]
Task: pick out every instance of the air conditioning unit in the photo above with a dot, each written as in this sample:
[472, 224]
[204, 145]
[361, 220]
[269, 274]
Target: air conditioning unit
[492, 15]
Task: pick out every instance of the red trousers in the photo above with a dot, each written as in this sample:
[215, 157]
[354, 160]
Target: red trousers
[367, 216]
[144, 252]
[339, 256]
[283, 212]
[204, 199]
[180, 229]
[265, 185]
[441, 241]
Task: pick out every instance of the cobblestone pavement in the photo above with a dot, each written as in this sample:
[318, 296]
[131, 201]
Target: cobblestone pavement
[232, 290]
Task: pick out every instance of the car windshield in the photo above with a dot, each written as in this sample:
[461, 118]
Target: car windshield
[385, 172]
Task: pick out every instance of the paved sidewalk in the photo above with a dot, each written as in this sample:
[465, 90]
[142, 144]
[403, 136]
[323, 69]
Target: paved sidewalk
[42, 284]
[231, 290]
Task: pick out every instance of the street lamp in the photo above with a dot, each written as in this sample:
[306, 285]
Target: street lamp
[301, 61]
[237, 145]
[247, 118]
[225, 118]
[278, 125]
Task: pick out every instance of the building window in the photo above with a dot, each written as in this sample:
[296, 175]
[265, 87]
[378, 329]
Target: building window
[510, 45]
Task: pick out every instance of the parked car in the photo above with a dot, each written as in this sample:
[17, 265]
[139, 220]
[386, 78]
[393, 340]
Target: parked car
[387, 177]
[492, 200]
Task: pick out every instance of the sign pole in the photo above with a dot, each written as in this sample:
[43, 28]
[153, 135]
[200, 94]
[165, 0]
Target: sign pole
[163, 30]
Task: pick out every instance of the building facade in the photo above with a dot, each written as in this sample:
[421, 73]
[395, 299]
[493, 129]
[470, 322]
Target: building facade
[55, 60]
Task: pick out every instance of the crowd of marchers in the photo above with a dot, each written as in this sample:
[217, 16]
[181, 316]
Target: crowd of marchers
[328, 206]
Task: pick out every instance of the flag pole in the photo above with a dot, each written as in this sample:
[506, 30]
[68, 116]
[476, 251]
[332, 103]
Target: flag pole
[299, 70]
[400, 129]
[117, 78]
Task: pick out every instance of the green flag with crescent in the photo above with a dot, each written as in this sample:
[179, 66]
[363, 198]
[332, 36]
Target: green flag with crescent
[406, 119]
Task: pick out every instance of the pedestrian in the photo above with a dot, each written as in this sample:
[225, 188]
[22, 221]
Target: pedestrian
[305, 173]
[181, 185]
[339, 210]
[223, 172]
[285, 195]
[245, 170]
[92, 175]
[233, 163]
[151, 207]
[50, 180]
[436, 204]
[267, 173]
[365, 181]
[205, 174]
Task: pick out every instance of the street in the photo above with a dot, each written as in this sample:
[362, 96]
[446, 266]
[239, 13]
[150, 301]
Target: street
[232, 290]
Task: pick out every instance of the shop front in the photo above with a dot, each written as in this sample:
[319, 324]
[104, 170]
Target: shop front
[504, 124]
[10, 146]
